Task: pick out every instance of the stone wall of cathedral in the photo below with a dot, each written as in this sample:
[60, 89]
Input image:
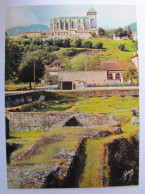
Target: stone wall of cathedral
[60, 24]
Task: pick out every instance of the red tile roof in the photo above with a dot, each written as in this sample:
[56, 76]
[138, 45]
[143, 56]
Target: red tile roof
[82, 31]
[134, 56]
[117, 66]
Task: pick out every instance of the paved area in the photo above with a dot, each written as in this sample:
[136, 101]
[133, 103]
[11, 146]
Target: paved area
[54, 88]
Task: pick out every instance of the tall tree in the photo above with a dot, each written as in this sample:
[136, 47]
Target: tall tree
[13, 56]
[101, 31]
[31, 69]
[129, 32]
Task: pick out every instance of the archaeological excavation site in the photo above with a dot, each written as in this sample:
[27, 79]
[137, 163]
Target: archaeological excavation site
[76, 139]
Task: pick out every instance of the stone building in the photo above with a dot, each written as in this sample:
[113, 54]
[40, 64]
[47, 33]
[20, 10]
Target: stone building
[73, 27]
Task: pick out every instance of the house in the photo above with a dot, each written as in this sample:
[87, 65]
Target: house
[115, 70]
[30, 34]
[14, 36]
[120, 38]
[111, 73]
[53, 70]
[135, 59]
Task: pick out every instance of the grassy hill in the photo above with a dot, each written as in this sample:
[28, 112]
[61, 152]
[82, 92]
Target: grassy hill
[133, 27]
[109, 52]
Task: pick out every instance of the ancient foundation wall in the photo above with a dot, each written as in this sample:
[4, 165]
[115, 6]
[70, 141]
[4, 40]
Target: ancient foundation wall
[27, 121]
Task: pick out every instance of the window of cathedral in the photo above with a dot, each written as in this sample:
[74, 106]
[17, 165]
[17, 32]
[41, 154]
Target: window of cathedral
[66, 26]
[72, 24]
[62, 26]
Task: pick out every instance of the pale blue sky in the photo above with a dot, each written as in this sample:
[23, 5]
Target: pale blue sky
[108, 16]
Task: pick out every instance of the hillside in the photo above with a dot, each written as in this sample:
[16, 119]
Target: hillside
[35, 27]
[133, 27]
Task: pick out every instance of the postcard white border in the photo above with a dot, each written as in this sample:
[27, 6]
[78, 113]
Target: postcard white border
[140, 6]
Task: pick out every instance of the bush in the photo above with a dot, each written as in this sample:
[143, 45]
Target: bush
[88, 44]
[121, 47]
[66, 43]
[98, 45]
[78, 43]
[58, 43]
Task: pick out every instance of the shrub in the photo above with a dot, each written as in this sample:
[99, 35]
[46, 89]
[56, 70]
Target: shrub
[78, 43]
[98, 45]
[58, 43]
[121, 47]
[88, 44]
[66, 43]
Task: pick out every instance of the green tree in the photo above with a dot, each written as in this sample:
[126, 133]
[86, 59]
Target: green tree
[120, 32]
[26, 69]
[101, 32]
[78, 43]
[121, 47]
[88, 44]
[13, 57]
[66, 43]
[50, 78]
[129, 32]
[98, 45]
[58, 43]
[93, 34]
[131, 74]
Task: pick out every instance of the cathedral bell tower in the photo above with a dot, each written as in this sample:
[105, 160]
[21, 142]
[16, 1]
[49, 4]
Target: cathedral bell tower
[92, 16]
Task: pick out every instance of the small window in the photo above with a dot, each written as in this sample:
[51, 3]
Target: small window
[117, 76]
[110, 76]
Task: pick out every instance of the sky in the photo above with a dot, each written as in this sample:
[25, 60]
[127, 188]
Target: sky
[108, 16]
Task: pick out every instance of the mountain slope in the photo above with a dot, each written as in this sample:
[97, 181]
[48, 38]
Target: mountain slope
[133, 27]
[34, 27]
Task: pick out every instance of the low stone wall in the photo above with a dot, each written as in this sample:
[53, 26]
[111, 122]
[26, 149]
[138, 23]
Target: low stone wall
[18, 99]
[28, 121]
[109, 92]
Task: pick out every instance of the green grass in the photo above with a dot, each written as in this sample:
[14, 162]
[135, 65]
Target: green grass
[110, 52]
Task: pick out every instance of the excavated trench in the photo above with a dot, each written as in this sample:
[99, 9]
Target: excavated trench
[123, 161]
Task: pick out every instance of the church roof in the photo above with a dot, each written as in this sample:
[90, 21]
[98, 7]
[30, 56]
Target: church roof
[91, 10]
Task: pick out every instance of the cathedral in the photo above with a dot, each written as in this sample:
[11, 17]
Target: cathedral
[73, 27]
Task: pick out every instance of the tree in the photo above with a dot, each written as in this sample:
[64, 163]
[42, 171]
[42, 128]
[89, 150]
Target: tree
[93, 34]
[131, 74]
[120, 32]
[78, 43]
[98, 45]
[121, 47]
[88, 44]
[101, 31]
[58, 43]
[50, 78]
[13, 56]
[31, 62]
[129, 32]
[66, 43]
